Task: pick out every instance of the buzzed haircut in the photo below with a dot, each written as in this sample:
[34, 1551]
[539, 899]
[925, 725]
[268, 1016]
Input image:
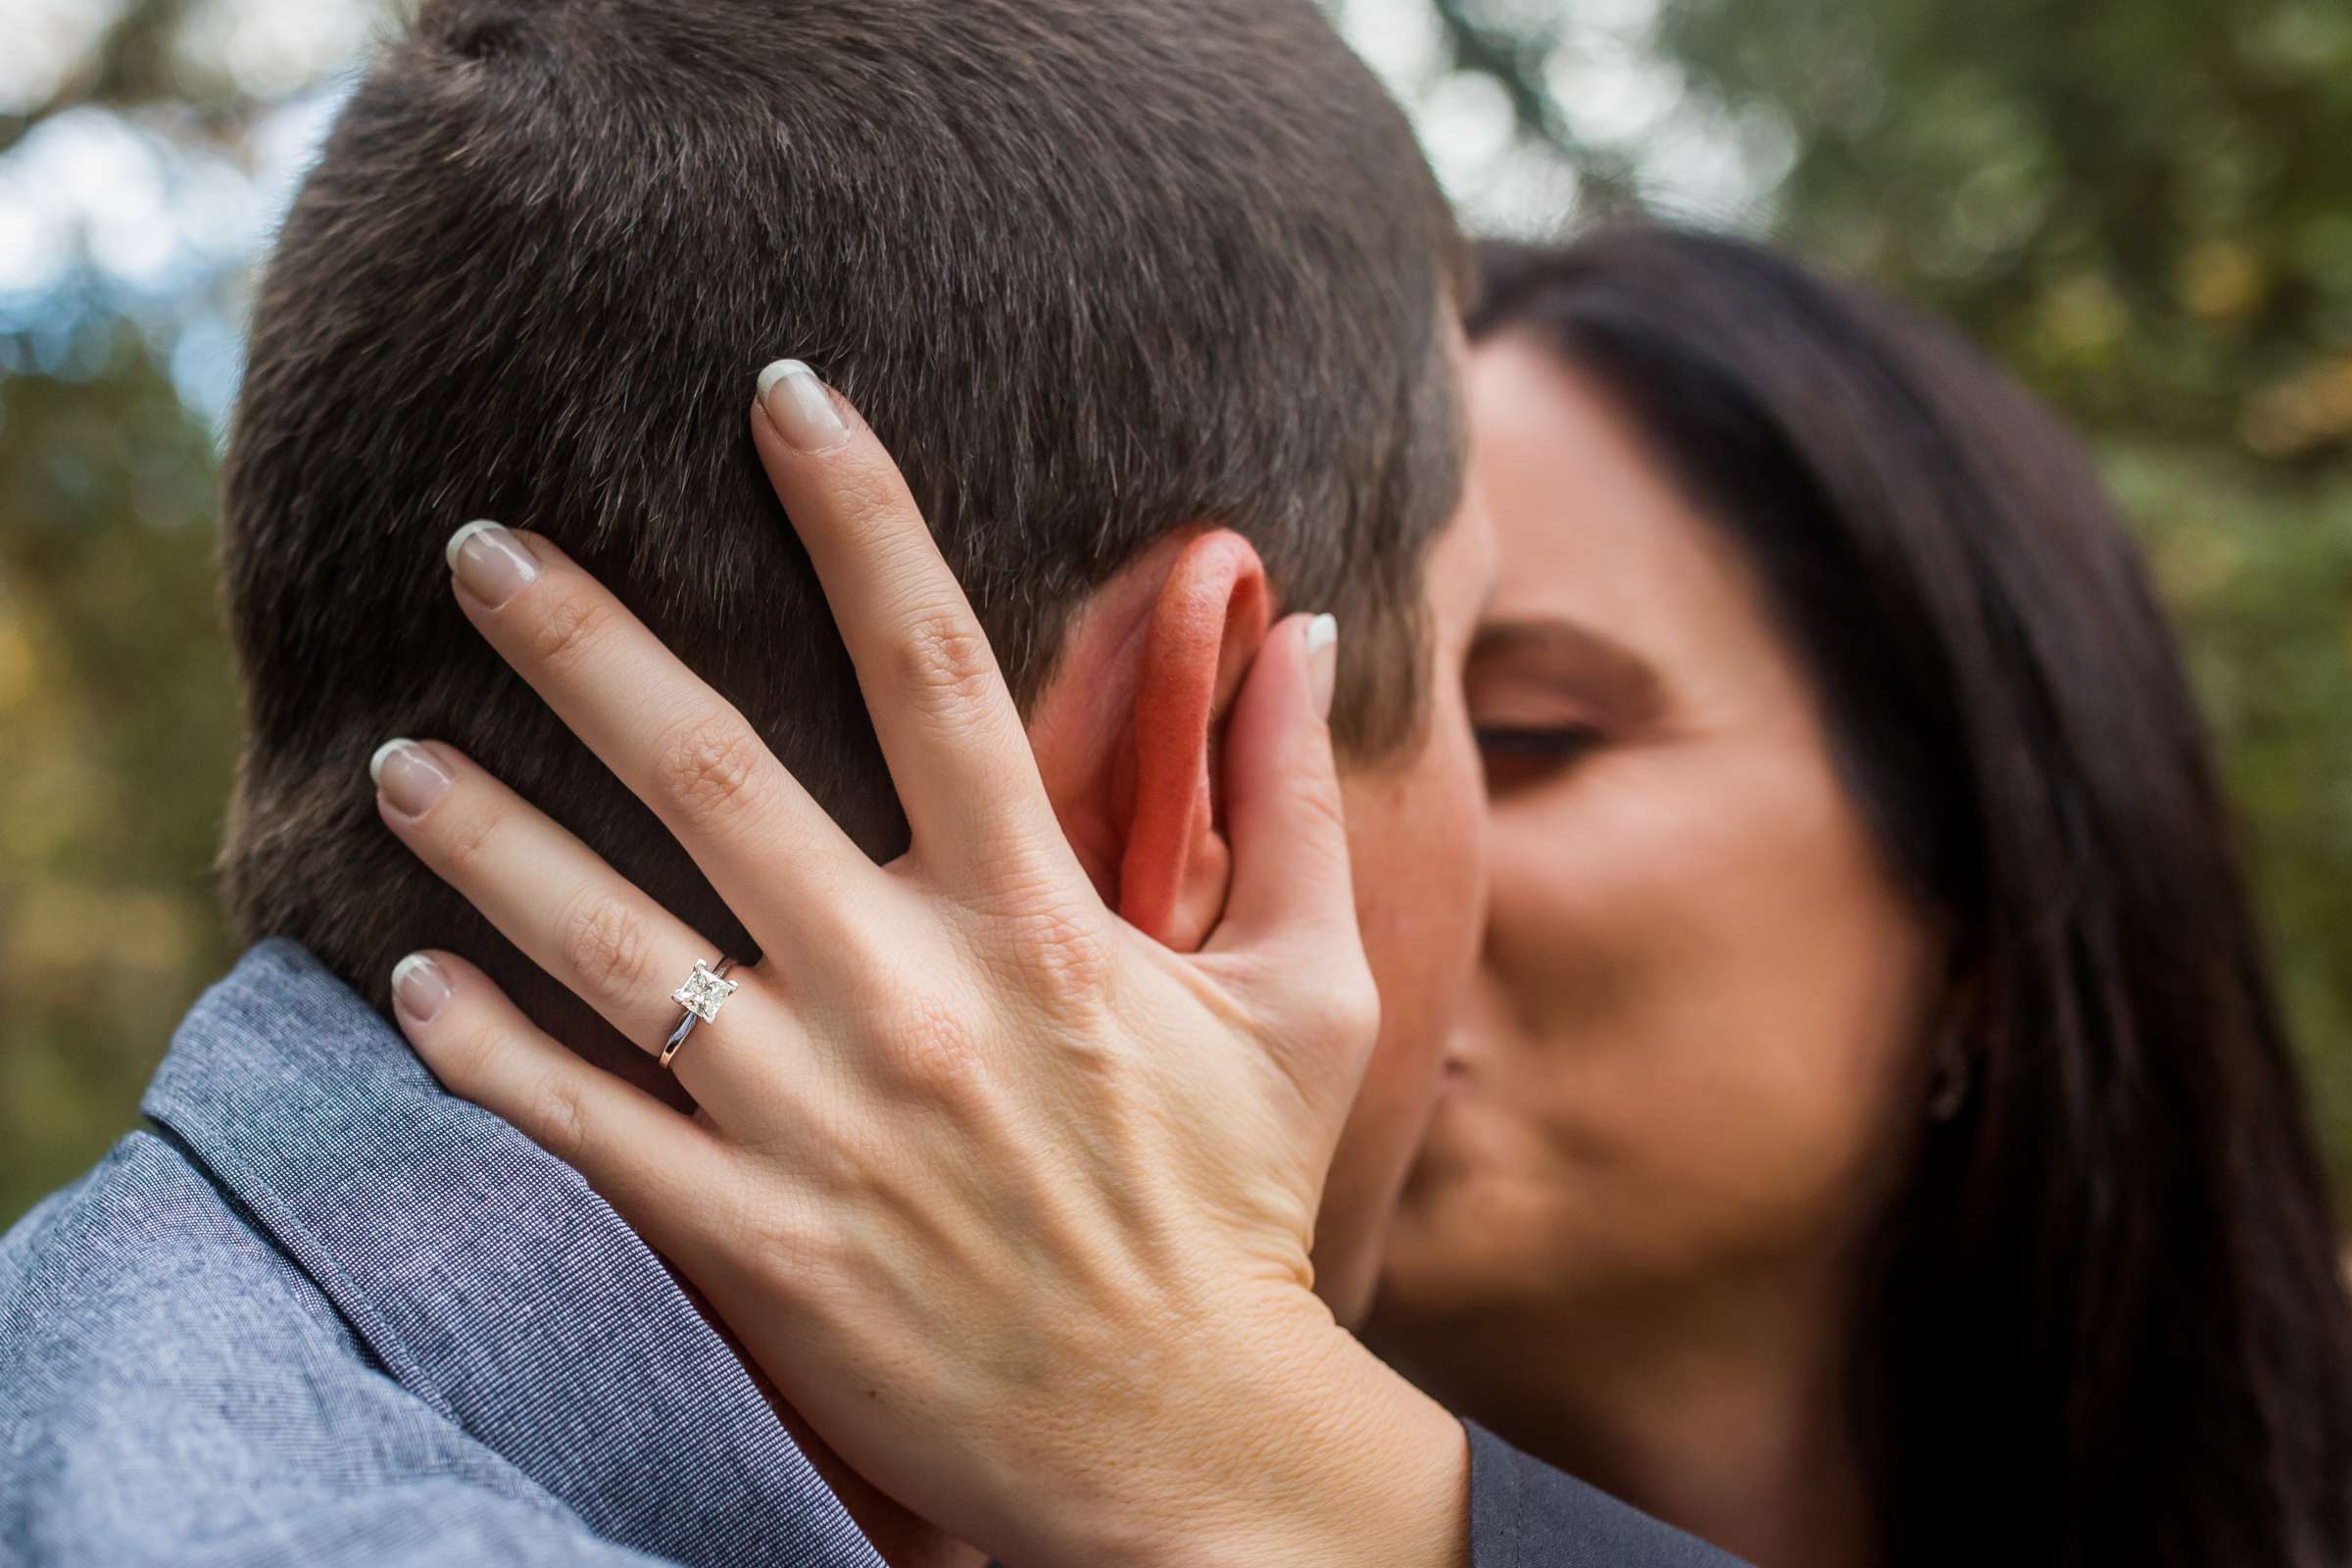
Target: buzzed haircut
[1094, 270]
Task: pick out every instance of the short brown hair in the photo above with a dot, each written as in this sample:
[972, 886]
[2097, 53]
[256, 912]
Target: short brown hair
[1094, 268]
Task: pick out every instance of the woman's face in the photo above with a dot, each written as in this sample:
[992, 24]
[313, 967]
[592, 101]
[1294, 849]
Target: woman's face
[1692, 1051]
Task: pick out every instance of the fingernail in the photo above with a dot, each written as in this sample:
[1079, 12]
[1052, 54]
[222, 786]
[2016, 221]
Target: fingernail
[800, 407]
[419, 988]
[492, 563]
[409, 776]
[1323, 660]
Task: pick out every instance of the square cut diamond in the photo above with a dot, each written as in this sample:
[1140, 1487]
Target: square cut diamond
[703, 991]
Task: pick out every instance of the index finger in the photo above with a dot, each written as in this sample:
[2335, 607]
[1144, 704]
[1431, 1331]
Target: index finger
[958, 751]
[769, 850]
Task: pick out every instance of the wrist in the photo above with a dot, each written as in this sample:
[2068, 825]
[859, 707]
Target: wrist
[1311, 1451]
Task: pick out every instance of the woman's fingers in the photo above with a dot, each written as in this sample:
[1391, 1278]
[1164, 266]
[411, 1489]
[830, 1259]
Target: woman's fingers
[770, 850]
[658, 1168]
[571, 915]
[955, 741]
[1293, 891]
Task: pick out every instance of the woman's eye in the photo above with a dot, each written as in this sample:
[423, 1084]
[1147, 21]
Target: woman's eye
[1517, 756]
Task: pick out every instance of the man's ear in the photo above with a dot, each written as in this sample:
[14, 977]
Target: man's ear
[1127, 734]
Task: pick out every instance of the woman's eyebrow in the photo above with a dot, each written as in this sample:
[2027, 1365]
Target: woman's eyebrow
[1572, 650]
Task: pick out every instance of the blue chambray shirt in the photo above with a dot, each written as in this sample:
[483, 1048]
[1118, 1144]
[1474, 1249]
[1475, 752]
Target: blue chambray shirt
[327, 1313]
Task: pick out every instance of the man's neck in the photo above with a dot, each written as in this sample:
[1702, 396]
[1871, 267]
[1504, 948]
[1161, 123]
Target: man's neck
[1727, 1420]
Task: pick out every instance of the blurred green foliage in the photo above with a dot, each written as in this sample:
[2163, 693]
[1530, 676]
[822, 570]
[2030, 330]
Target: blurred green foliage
[118, 720]
[2147, 210]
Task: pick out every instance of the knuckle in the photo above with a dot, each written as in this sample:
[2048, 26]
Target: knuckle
[473, 1046]
[1062, 958]
[947, 664]
[567, 629]
[1352, 1009]
[930, 1048]
[711, 763]
[1320, 804]
[868, 506]
[465, 848]
[559, 1115]
[606, 946]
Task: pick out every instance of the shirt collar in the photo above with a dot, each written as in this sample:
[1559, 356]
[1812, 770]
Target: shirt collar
[483, 1273]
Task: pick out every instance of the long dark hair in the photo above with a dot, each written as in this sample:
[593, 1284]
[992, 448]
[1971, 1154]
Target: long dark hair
[2103, 1322]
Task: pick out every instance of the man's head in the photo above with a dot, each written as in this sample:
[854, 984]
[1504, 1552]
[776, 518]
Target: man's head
[1104, 274]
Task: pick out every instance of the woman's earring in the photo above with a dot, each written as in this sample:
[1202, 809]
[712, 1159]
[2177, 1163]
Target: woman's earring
[1953, 1079]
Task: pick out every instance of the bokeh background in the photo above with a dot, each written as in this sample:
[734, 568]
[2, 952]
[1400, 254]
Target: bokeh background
[2144, 209]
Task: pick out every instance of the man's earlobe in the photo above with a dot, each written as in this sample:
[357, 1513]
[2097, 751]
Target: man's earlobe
[1128, 734]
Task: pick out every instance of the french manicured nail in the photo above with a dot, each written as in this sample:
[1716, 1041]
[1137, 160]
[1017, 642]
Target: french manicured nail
[418, 986]
[800, 408]
[491, 562]
[1323, 660]
[409, 776]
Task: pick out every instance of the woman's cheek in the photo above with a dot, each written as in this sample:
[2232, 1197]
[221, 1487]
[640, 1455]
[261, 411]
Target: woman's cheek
[1629, 1029]
[1729, 1015]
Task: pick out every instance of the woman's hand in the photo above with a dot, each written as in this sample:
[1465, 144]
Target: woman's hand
[1012, 1204]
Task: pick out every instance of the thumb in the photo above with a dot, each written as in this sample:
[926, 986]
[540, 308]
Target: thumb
[1291, 884]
